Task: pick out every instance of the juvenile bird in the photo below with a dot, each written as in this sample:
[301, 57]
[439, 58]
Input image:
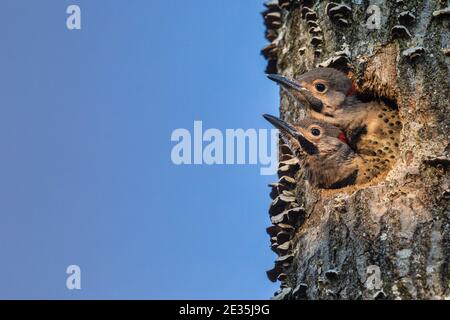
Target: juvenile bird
[323, 150]
[372, 128]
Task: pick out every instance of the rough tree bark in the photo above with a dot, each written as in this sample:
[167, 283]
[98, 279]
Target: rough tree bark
[389, 239]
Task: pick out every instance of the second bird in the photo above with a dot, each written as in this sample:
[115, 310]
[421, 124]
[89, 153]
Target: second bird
[326, 157]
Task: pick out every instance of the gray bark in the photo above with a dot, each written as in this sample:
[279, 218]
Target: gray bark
[389, 239]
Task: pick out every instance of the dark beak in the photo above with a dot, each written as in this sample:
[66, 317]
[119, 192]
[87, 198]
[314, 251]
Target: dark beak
[286, 128]
[285, 82]
[281, 125]
[290, 84]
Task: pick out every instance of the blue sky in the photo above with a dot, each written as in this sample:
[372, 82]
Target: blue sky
[86, 176]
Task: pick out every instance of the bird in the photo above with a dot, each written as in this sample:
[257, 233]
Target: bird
[328, 160]
[372, 128]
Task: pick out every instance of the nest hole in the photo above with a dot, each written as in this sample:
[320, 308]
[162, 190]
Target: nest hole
[370, 96]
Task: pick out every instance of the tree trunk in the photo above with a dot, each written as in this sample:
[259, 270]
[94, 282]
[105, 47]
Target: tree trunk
[390, 239]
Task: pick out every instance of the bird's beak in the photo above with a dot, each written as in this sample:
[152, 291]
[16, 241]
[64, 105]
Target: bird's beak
[305, 94]
[285, 82]
[287, 129]
[281, 125]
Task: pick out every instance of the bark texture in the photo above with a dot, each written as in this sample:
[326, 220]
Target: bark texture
[389, 239]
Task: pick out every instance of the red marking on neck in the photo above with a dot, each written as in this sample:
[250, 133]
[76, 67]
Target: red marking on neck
[352, 91]
[343, 137]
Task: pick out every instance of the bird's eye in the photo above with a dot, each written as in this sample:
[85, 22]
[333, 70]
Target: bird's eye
[315, 132]
[320, 87]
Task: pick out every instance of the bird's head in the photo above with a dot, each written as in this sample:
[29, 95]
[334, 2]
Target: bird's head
[313, 138]
[325, 89]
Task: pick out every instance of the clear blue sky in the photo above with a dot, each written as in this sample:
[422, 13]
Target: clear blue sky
[85, 170]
